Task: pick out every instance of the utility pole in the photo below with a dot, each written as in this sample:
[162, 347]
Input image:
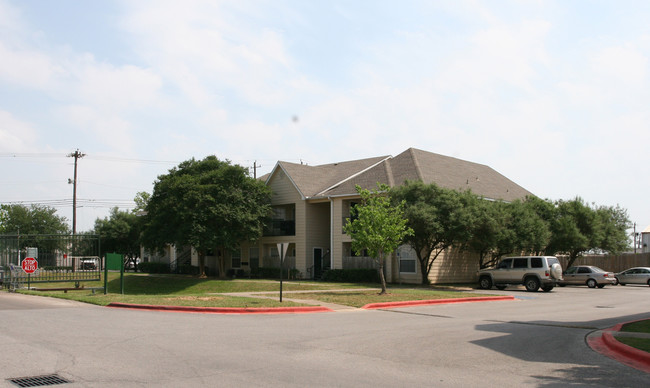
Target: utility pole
[76, 155]
[255, 167]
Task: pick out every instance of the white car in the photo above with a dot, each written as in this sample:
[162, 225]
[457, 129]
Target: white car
[531, 271]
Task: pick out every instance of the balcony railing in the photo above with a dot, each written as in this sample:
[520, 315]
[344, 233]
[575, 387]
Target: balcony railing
[280, 228]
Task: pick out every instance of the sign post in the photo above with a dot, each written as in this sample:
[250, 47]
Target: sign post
[29, 265]
[282, 250]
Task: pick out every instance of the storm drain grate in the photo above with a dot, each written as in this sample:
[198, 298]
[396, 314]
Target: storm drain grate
[38, 381]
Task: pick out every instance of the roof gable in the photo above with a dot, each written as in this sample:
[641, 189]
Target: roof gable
[340, 179]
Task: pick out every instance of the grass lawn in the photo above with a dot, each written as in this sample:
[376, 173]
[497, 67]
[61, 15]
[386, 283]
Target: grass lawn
[362, 298]
[639, 343]
[637, 327]
[181, 290]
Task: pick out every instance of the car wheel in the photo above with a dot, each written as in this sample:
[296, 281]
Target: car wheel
[501, 288]
[591, 283]
[615, 281]
[547, 288]
[532, 284]
[485, 283]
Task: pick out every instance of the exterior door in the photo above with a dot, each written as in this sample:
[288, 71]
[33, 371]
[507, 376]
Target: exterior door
[318, 262]
[254, 259]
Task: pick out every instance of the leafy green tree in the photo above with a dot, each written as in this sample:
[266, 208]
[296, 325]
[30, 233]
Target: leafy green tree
[614, 223]
[33, 224]
[141, 200]
[377, 225]
[575, 229]
[31, 220]
[503, 228]
[120, 233]
[488, 221]
[439, 218]
[207, 204]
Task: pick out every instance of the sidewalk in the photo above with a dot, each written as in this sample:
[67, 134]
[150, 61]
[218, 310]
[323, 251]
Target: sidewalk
[604, 342]
[316, 305]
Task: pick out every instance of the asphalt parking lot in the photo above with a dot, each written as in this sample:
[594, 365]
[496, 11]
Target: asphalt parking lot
[538, 339]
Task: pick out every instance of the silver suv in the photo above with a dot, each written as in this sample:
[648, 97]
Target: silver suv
[531, 271]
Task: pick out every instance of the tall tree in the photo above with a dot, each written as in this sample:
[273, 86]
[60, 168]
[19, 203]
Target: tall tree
[207, 204]
[377, 226]
[439, 218]
[575, 229]
[120, 233]
[614, 222]
[31, 220]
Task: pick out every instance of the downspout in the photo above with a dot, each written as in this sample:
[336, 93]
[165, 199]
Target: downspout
[329, 198]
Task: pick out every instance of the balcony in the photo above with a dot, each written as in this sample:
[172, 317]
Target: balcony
[280, 228]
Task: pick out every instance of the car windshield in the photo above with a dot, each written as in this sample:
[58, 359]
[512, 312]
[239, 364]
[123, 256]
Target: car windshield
[596, 269]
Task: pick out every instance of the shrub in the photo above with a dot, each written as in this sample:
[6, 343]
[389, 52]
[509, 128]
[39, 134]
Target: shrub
[274, 273]
[151, 267]
[187, 269]
[351, 275]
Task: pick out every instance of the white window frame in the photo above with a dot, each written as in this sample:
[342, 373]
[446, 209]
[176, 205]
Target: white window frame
[406, 253]
[233, 255]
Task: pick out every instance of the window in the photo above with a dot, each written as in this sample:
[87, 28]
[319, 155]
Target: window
[235, 257]
[505, 264]
[536, 262]
[520, 263]
[407, 259]
[584, 270]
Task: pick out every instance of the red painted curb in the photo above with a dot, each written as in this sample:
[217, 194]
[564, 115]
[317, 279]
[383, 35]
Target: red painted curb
[608, 345]
[435, 301]
[627, 354]
[225, 310]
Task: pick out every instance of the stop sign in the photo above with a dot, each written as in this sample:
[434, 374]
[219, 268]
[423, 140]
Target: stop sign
[29, 264]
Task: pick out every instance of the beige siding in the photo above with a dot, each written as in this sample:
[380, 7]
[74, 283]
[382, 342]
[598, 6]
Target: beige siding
[284, 193]
[317, 232]
[455, 266]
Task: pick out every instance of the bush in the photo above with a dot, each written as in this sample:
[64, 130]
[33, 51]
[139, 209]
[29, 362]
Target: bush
[274, 273]
[150, 267]
[187, 269]
[351, 275]
[236, 273]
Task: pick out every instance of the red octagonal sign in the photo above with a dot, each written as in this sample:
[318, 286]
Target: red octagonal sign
[29, 264]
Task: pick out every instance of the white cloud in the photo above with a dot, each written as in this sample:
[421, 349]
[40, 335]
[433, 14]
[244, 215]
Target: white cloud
[16, 135]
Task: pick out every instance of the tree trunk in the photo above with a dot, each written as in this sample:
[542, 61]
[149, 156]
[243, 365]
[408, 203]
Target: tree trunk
[222, 263]
[381, 274]
[202, 264]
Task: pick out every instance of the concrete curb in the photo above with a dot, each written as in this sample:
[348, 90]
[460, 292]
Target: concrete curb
[608, 345]
[225, 310]
[385, 305]
[301, 309]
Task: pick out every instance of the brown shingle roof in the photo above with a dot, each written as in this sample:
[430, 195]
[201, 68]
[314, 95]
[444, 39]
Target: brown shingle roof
[338, 179]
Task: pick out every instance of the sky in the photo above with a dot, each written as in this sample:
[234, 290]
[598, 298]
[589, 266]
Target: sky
[555, 95]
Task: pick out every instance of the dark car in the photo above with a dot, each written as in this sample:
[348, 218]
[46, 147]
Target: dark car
[587, 275]
[636, 275]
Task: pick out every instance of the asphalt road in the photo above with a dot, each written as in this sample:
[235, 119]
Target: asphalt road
[538, 340]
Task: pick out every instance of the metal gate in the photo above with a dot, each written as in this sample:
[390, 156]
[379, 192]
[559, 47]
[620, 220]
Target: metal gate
[61, 258]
